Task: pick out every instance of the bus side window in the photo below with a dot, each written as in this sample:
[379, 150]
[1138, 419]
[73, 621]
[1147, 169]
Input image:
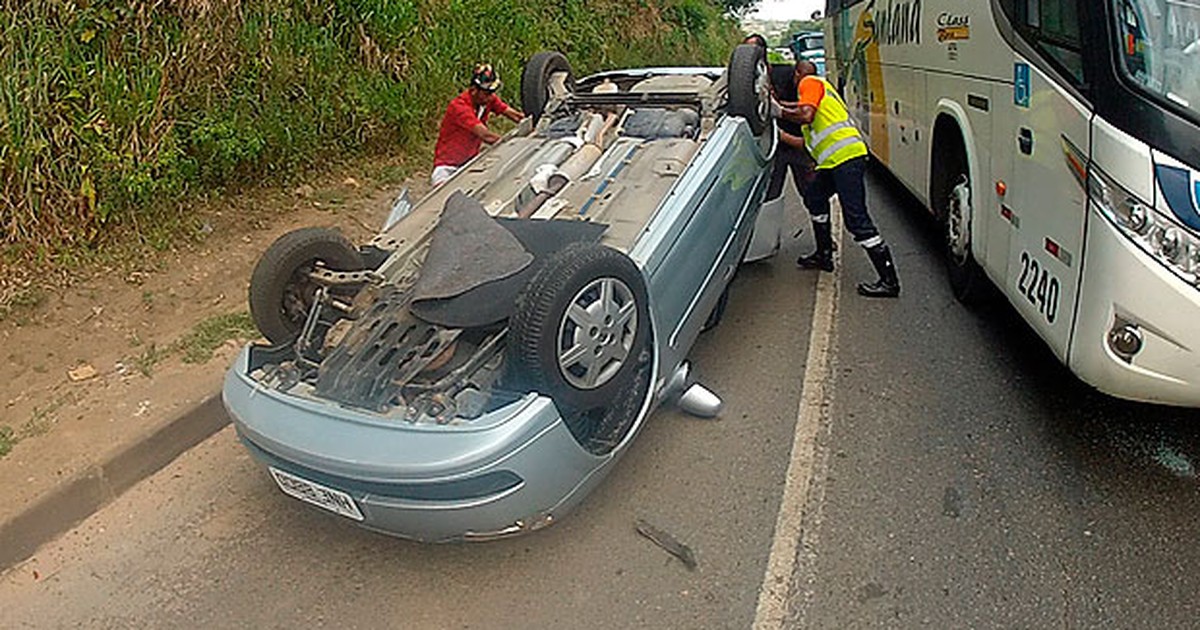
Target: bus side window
[1052, 27]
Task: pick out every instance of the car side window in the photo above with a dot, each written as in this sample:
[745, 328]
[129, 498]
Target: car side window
[1052, 27]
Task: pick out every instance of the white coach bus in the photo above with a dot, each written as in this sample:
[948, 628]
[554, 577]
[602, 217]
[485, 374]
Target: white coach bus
[1058, 143]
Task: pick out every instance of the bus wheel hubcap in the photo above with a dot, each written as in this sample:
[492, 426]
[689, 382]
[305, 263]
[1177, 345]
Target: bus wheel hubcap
[956, 220]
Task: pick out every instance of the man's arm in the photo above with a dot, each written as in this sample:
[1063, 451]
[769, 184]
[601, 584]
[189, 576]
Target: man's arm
[792, 141]
[803, 114]
[513, 114]
[485, 134]
[498, 106]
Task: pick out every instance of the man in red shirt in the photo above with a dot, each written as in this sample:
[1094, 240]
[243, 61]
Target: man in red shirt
[464, 126]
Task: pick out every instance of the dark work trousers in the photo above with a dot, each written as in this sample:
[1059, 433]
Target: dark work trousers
[846, 180]
[789, 158]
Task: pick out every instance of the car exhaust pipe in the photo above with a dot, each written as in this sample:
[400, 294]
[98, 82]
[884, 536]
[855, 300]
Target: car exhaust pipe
[548, 182]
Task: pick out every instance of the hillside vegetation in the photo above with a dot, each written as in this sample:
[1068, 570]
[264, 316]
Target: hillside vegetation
[113, 112]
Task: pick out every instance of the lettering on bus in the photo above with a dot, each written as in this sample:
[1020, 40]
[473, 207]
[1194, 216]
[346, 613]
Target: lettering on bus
[899, 23]
[953, 27]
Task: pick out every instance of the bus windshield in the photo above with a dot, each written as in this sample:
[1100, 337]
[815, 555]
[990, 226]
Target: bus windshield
[1160, 47]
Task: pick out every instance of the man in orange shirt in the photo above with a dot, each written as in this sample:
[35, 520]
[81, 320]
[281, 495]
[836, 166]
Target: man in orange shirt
[464, 126]
[841, 156]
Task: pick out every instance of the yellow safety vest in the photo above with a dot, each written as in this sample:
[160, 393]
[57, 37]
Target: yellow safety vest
[831, 138]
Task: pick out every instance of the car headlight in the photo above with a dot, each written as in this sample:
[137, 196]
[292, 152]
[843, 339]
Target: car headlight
[1160, 236]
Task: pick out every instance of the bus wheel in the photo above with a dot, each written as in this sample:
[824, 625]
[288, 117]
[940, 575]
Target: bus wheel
[966, 278]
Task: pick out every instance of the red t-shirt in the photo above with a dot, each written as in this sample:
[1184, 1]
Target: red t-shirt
[457, 143]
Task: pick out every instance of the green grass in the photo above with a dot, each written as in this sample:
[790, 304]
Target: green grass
[776, 57]
[113, 113]
[149, 358]
[40, 421]
[198, 345]
[22, 303]
[8, 440]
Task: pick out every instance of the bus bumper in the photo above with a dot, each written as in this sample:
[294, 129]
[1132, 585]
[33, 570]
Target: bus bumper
[1130, 301]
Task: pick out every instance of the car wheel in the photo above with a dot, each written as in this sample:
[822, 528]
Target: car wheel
[749, 85]
[538, 79]
[581, 328]
[602, 429]
[281, 292]
[953, 194]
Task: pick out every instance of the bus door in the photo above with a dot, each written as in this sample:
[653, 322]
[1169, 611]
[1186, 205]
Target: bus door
[1046, 200]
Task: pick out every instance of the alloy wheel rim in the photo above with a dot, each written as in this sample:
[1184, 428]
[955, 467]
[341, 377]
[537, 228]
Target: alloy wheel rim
[762, 86]
[596, 333]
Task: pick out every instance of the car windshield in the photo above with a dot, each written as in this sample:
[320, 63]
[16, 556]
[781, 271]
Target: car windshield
[1160, 47]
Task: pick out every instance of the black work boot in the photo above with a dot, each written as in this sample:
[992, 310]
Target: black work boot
[888, 284]
[822, 258]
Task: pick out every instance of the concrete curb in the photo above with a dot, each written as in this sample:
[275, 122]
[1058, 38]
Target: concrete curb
[77, 498]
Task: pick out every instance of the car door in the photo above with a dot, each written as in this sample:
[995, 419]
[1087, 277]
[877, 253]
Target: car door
[700, 243]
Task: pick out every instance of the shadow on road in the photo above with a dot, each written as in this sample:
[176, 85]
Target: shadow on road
[1104, 436]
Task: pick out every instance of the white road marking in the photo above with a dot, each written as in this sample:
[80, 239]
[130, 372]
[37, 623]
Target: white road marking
[771, 612]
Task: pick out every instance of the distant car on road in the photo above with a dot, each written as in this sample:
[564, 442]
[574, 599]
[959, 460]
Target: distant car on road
[483, 362]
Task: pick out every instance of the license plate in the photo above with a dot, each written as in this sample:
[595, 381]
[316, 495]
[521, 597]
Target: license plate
[335, 501]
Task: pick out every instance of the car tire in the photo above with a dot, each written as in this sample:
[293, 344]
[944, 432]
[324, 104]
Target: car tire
[281, 293]
[600, 430]
[535, 81]
[748, 84]
[581, 328]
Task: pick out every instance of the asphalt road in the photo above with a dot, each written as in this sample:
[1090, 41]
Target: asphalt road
[962, 479]
[211, 542]
[970, 481]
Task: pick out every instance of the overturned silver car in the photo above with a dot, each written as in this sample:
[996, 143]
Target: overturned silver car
[478, 367]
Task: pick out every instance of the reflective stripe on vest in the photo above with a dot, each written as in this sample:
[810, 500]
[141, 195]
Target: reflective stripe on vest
[831, 138]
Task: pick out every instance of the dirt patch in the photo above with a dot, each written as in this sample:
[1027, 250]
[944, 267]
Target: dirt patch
[122, 344]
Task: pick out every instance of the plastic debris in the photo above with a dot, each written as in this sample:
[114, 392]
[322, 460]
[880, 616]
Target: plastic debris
[668, 542]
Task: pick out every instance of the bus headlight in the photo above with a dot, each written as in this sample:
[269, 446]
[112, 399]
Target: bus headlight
[1160, 236]
[1139, 218]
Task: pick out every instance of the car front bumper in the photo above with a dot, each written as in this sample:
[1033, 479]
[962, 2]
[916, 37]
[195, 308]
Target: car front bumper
[512, 470]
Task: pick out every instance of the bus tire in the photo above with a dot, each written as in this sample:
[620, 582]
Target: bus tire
[954, 207]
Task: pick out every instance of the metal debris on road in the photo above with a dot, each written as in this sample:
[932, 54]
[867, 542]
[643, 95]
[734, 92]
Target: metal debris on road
[668, 543]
